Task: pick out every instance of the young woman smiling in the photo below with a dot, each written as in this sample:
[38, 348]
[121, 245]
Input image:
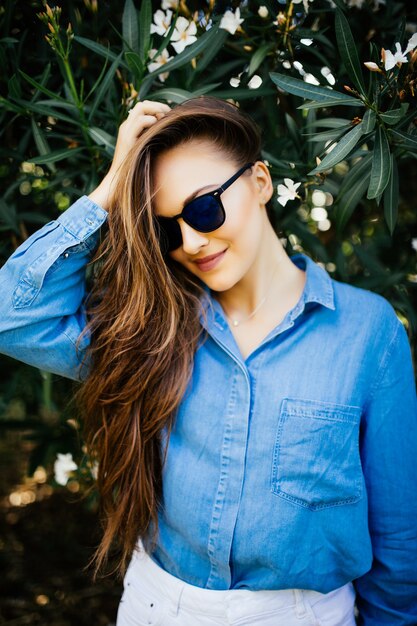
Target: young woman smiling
[254, 420]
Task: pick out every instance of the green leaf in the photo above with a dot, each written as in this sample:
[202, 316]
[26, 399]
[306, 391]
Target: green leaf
[293, 130]
[328, 135]
[203, 43]
[329, 122]
[348, 52]
[145, 21]
[41, 88]
[104, 87]
[97, 82]
[348, 101]
[99, 49]
[37, 108]
[381, 164]
[210, 53]
[351, 191]
[135, 64]
[14, 87]
[9, 106]
[340, 4]
[394, 115]
[340, 151]
[101, 137]
[180, 95]
[405, 139]
[300, 88]
[258, 57]
[42, 144]
[368, 121]
[391, 196]
[55, 155]
[130, 25]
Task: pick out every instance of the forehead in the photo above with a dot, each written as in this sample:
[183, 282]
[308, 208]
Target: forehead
[180, 171]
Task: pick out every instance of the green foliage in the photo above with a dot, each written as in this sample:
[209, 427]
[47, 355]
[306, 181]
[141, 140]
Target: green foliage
[330, 121]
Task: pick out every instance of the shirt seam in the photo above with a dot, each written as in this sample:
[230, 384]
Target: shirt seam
[384, 365]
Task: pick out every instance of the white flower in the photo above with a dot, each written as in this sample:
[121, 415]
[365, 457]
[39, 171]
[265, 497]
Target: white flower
[326, 72]
[158, 62]
[169, 4]
[234, 81]
[309, 78]
[288, 191]
[162, 22]
[255, 82]
[184, 34]
[391, 60]
[94, 470]
[356, 3]
[412, 43]
[299, 67]
[306, 42]
[414, 243]
[286, 64]
[63, 467]
[373, 67]
[231, 21]
[263, 11]
[330, 145]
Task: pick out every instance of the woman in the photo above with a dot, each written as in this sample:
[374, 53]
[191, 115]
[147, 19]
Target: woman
[254, 420]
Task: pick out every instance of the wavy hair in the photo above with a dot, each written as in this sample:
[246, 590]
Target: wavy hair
[143, 318]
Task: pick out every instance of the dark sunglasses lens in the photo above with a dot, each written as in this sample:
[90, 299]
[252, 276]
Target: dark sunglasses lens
[169, 232]
[204, 214]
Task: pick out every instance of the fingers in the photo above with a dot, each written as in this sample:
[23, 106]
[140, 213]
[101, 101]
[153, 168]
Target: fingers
[143, 115]
[149, 107]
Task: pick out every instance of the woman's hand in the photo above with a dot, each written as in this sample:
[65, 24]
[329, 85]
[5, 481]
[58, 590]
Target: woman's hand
[141, 116]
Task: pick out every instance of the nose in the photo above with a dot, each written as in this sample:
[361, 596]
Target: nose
[192, 240]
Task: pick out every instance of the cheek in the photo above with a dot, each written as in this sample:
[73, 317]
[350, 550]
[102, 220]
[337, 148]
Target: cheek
[242, 224]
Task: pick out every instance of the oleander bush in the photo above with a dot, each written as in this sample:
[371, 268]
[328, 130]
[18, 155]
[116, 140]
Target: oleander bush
[332, 84]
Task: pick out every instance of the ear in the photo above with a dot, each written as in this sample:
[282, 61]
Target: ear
[263, 181]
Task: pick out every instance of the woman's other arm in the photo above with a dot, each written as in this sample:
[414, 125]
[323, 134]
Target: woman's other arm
[42, 287]
[42, 284]
[387, 594]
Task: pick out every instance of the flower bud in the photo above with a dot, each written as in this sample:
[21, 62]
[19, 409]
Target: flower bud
[372, 67]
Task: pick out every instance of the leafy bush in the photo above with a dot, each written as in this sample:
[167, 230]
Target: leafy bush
[332, 84]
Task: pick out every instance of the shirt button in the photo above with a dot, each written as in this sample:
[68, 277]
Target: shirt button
[66, 255]
[90, 222]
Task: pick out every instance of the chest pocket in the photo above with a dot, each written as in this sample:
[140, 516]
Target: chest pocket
[316, 461]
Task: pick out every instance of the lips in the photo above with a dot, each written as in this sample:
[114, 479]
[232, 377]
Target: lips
[209, 262]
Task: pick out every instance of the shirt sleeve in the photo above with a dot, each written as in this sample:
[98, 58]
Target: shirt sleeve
[42, 287]
[387, 593]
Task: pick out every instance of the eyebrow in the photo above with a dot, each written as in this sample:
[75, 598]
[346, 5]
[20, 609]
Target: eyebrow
[197, 191]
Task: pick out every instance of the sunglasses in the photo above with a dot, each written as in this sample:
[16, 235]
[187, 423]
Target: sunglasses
[205, 214]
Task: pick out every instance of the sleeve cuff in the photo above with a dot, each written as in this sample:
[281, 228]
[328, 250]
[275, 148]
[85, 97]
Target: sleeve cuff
[83, 218]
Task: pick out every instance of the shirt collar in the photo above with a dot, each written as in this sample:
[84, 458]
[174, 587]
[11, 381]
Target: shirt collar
[318, 288]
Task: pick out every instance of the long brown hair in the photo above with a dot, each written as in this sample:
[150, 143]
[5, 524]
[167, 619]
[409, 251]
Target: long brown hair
[143, 320]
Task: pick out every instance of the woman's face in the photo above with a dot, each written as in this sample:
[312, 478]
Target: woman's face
[182, 170]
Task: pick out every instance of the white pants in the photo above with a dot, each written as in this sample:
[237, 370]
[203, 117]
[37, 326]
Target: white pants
[153, 597]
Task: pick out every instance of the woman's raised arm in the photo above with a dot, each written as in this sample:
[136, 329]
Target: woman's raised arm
[42, 284]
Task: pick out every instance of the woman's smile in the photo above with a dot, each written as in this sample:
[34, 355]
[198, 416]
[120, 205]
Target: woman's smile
[209, 262]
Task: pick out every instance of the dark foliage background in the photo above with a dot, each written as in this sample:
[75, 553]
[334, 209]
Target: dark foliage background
[61, 101]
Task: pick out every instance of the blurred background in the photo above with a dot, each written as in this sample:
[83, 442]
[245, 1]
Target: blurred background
[345, 131]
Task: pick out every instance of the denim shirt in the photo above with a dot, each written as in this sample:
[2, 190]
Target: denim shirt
[292, 468]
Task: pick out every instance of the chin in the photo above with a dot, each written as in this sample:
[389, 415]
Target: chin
[219, 283]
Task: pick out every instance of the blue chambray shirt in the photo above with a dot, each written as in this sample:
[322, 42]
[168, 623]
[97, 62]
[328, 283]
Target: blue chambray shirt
[293, 468]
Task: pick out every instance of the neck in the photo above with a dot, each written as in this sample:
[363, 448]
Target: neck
[273, 275]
